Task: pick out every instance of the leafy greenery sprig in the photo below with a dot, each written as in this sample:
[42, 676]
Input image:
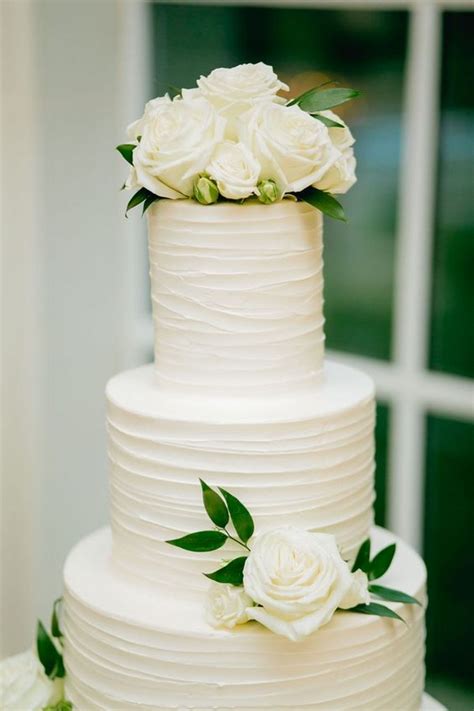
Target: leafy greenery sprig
[374, 569]
[222, 508]
[49, 653]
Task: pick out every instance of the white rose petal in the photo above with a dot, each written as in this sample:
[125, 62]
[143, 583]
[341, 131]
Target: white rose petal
[298, 578]
[177, 142]
[342, 138]
[233, 91]
[293, 148]
[131, 181]
[135, 129]
[235, 170]
[227, 606]
[24, 685]
[341, 176]
[358, 593]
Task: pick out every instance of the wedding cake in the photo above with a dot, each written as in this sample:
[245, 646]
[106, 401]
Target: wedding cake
[241, 453]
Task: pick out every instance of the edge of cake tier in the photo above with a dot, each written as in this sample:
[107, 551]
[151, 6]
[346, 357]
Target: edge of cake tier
[130, 646]
[306, 461]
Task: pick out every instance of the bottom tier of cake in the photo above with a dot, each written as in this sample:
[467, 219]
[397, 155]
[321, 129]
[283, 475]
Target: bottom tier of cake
[132, 645]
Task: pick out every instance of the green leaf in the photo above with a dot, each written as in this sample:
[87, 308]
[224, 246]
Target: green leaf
[240, 515]
[374, 608]
[321, 99]
[200, 542]
[231, 574]
[55, 627]
[214, 505]
[297, 99]
[126, 151]
[327, 121]
[139, 197]
[323, 201]
[382, 561]
[48, 655]
[362, 560]
[393, 595]
[150, 199]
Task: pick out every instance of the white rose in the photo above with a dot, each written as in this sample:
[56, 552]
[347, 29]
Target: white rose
[298, 578]
[135, 129]
[293, 148]
[341, 137]
[227, 606]
[24, 685]
[235, 90]
[358, 593]
[341, 176]
[177, 142]
[235, 170]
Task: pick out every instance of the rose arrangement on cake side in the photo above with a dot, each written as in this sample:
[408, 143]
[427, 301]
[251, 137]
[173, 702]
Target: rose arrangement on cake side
[234, 137]
[289, 579]
[34, 680]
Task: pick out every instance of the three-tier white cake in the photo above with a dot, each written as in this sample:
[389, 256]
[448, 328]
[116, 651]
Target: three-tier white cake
[240, 395]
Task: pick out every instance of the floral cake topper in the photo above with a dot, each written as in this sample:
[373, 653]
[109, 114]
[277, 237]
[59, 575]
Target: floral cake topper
[233, 137]
[290, 580]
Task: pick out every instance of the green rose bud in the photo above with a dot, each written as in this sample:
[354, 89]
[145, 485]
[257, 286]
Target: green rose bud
[205, 191]
[268, 191]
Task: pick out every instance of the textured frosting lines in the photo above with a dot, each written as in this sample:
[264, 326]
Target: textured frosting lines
[315, 472]
[237, 294]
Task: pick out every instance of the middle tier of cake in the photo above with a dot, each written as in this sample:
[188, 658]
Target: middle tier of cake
[305, 460]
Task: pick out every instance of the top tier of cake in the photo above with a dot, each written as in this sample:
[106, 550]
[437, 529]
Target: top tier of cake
[237, 293]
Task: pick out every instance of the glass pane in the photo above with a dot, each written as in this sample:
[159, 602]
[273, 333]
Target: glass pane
[452, 343]
[449, 497]
[381, 461]
[358, 48]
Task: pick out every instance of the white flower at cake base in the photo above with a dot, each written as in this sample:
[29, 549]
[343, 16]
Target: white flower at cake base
[24, 685]
[293, 148]
[233, 91]
[177, 142]
[227, 606]
[298, 579]
[341, 176]
[235, 170]
[358, 593]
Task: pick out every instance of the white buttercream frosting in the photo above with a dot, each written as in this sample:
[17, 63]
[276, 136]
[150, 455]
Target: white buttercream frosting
[303, 460]
[131, 646]
[237, 293]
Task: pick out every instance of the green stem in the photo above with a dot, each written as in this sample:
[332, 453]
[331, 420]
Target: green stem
[236, 540]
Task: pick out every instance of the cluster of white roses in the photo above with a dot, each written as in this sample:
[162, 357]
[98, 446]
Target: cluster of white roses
[294, 581]
[234, 136]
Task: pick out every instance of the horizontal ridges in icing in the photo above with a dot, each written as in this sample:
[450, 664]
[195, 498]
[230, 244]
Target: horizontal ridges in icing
[309, 464]
[129, 645]
[237, 294]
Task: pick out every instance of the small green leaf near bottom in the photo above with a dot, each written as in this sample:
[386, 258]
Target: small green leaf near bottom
[393, 595]
[48, 654]
[323, 201]
[230, 574]
[375, 608]
[200, 542]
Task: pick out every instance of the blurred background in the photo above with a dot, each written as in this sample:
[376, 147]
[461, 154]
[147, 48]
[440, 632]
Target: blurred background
[399, 298]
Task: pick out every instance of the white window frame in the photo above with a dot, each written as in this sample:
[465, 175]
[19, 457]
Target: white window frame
[404, 383]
